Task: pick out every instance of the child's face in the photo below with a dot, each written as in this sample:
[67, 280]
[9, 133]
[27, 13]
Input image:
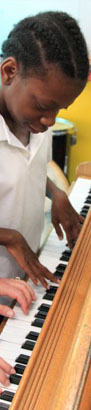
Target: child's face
[33, 102]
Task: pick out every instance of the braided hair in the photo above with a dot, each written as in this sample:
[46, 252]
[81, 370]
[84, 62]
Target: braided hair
[49, 38]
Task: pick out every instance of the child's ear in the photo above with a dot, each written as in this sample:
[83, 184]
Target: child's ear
[8, 70]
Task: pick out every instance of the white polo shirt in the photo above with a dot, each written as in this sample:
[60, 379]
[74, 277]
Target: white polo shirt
[22, 190]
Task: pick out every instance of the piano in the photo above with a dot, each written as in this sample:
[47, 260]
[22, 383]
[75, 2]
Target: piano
[50, 347]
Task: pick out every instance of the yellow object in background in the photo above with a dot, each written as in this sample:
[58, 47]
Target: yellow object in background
[80, 114]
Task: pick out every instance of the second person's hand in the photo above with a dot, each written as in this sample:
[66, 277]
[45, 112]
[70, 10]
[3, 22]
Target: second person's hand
[28, 260]
[19, 290]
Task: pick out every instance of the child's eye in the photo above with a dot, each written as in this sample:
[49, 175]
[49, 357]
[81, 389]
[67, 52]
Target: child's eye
[42, 108]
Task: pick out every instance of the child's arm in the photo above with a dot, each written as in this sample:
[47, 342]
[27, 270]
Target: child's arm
[18, 247]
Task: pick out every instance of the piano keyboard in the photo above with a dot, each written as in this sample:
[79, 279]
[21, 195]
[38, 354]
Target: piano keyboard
[20, 334]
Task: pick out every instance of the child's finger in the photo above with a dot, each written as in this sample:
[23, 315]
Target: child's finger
[6, 367]
[17, 291]
[28, 291]
[5, 370]
[6, 311]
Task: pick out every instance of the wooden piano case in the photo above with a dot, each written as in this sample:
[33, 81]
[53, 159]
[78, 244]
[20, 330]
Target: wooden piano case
[58, 374]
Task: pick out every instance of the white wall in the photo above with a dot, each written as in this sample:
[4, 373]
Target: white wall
[11, 11]
[85, 20]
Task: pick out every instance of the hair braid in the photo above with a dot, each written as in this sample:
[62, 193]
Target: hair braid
[77, 42]
[51, 37]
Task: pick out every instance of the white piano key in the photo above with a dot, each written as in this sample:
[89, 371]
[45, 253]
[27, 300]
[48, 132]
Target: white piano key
[47, 302]
[29, 328]
[25, 319]
[7, 356]
[11, 362]
[20, 324]
[7, 346]
[13, 337]
[12, 334]
[9, 337]
[79, 193]
[4, 402]
[12, 330]
[10, 350]
[12, 387]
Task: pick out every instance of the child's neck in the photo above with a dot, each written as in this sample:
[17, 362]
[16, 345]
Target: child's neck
[14, 127]
[19, 132]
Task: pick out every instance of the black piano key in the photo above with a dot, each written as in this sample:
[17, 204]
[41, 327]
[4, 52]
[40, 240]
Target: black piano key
[58, 275]
[88, 201]
[19, 368]
[32, 336]
[29, 345]
[44, 307]
[52, 290]
[49, 296]
[85, 208]
[41, 315]
[38, 322]
[22, 358]
[60, 268]
[89, 196]
[7, 395]
[73, 244]
[67, 252]
[84, 214]
[65, 257]
[15, 379]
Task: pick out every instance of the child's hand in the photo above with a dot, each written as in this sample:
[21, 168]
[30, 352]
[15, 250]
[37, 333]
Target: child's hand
[16, 289]
[5, 371]
[27, 259]
[63, 213]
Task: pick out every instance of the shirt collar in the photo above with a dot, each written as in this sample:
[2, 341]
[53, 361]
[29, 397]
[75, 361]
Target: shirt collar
[7, 135]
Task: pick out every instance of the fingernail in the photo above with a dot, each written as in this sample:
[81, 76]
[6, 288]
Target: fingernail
[10, 313]
[12, 371]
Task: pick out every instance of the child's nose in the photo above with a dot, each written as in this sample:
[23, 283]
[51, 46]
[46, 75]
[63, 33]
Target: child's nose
[48, 121]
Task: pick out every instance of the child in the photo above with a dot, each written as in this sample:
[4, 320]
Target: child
[44, 68]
